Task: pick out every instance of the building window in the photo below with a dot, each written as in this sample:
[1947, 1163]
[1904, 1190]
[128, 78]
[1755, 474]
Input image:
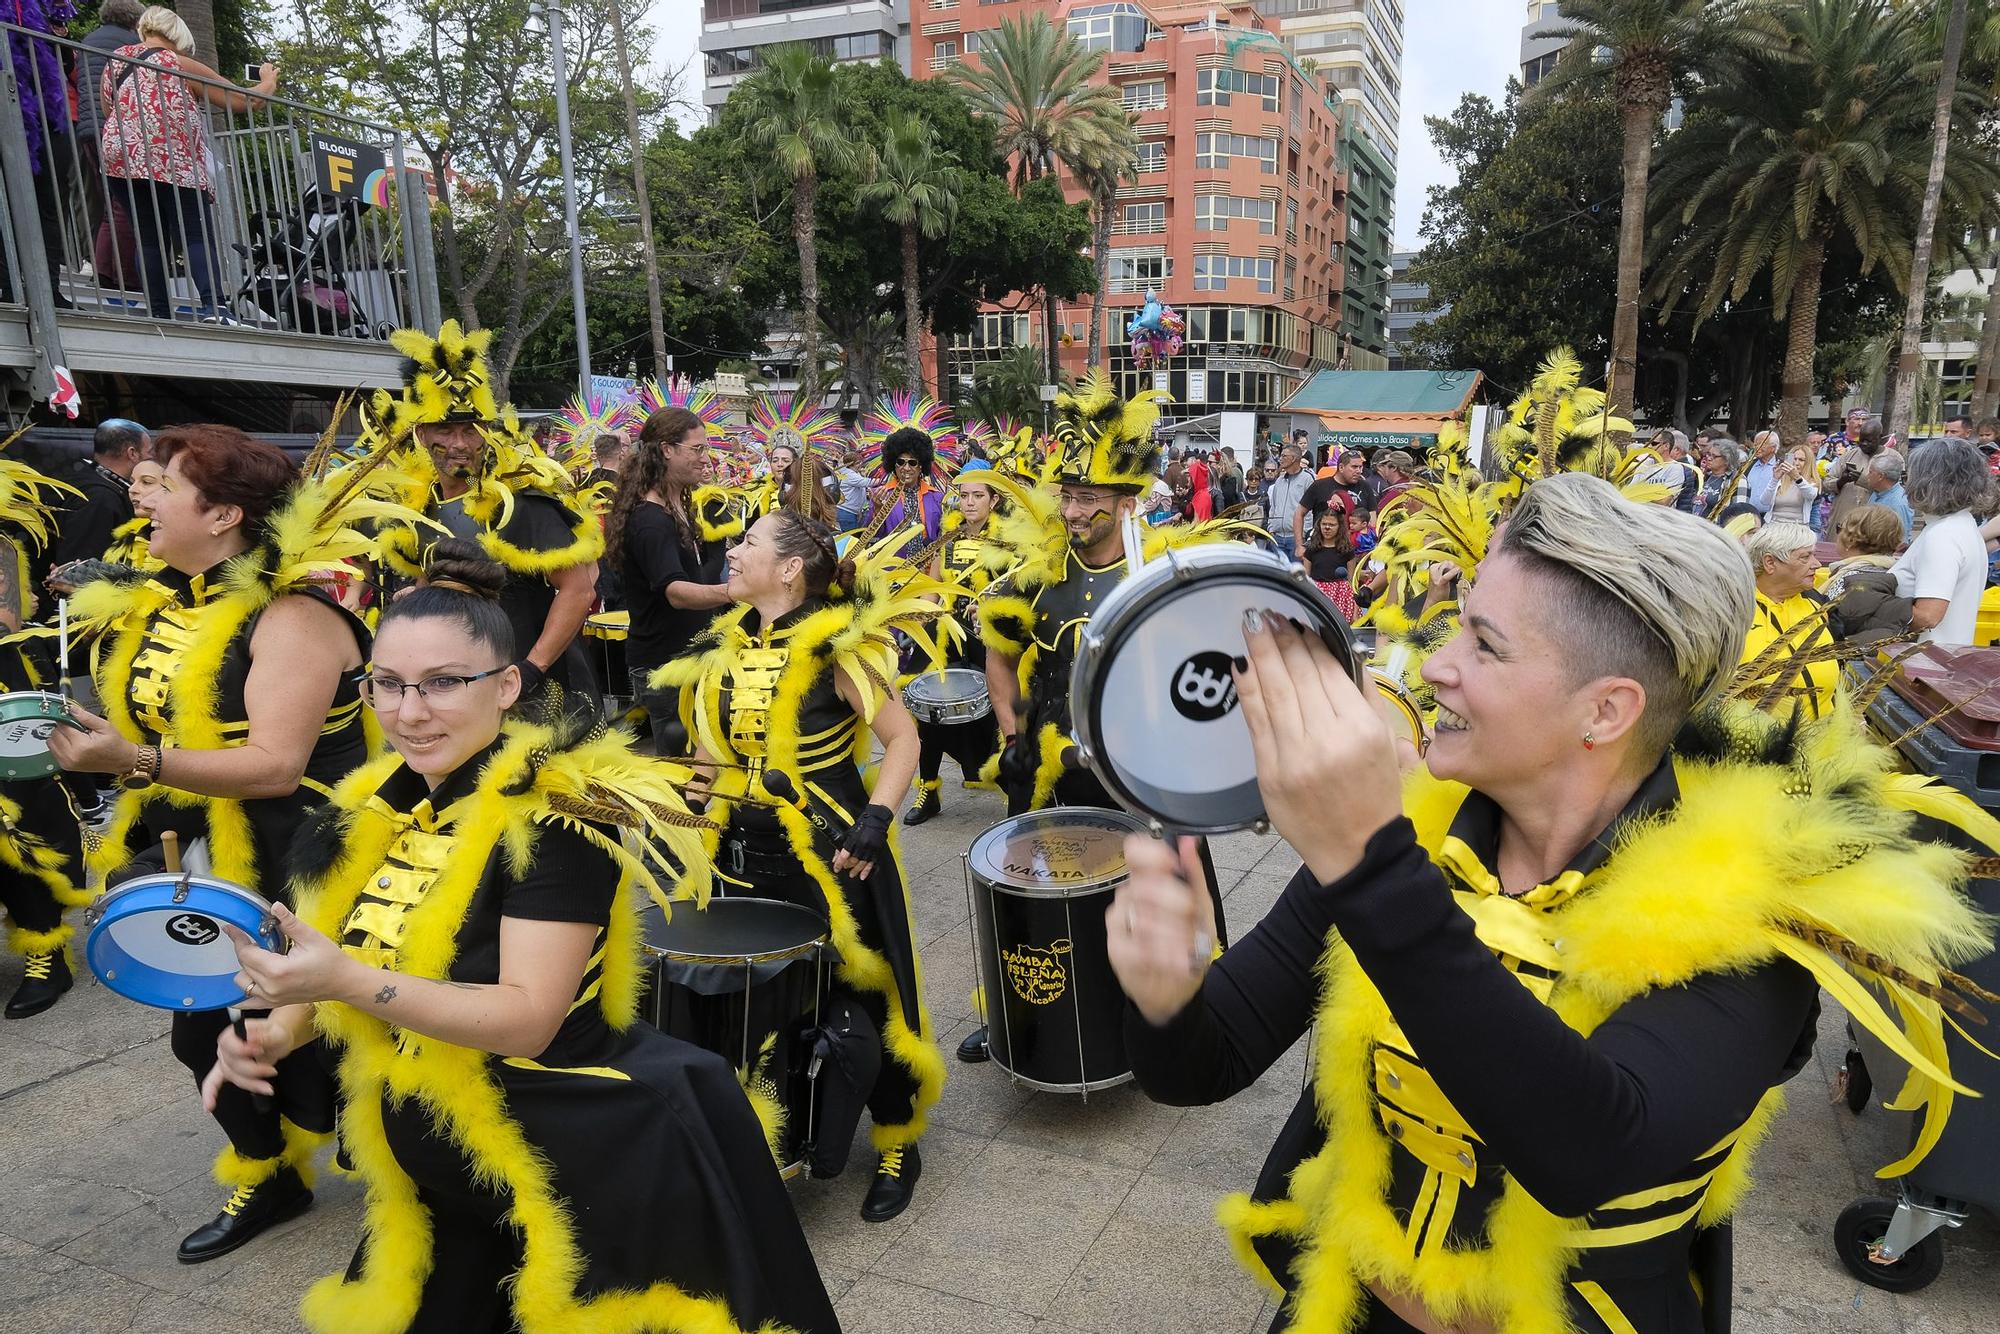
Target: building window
[998, 329]
[1213, 87]
[972, 41]
[1138, 273]
[1141, 219]
[1214, 273]
[1212, 213]
[1119, 27]
[1216, 150]
[944, 55]
[1292, 218]
[1152, 155]
[1146, 95]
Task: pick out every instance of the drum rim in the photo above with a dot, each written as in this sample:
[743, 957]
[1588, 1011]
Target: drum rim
[1041, 889]
[798, 951]
[104, 913]
[1179, 568]
[49, 700]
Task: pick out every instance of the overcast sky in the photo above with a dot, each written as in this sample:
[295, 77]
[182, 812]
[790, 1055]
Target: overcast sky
[1450, 47]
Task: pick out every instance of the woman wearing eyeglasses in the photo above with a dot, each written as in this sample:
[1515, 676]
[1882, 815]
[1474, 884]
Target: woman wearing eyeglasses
[228, 679]
[792, 682]
[467, 940]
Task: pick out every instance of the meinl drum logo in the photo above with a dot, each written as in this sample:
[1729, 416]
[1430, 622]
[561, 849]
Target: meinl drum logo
[1203, 689]
[191, 928]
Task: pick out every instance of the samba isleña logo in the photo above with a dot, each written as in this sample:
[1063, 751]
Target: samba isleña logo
[1203, 690]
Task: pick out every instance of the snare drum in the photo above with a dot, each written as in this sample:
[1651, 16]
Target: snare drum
[1151, 695]
[745, 978]
[1038, 885]
[610, 629]
[26, 719]
[954, 695]
[158, 939]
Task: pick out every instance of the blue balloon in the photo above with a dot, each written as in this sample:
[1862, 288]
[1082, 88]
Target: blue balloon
[1148, 318]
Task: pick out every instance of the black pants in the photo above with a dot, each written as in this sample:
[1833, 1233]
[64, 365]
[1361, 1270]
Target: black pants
[304, 1088]
[47, 815]
[773, 872]
[971, 744]
[171, 221]
[663, 713]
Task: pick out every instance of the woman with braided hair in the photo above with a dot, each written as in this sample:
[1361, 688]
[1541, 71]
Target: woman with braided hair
[782, 696]
[673, 576]
[467, 938]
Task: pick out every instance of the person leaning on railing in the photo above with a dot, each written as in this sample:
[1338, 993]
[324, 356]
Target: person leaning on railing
[155, 151]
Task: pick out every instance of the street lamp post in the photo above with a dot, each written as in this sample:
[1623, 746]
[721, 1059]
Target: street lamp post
[554, 13]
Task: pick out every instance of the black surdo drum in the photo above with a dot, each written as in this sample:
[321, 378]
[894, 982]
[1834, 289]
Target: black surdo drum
[1038, 885]
[745, 978]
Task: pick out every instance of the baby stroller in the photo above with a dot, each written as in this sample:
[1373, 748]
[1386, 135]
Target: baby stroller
[298, 265]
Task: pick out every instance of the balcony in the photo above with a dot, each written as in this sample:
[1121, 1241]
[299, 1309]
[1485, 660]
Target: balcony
[943, 60]
[290, 268]
[1139, 227]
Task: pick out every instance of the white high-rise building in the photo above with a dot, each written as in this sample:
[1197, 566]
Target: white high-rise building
[1357, 48]
[734, 32]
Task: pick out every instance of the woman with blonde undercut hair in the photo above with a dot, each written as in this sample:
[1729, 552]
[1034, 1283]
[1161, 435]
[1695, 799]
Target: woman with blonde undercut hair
[1555, 988]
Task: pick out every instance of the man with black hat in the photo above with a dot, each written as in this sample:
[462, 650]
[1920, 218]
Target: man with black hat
[490, 484]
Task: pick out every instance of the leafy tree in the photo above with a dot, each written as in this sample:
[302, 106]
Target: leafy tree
[917, 189]
[1051, 113]
[469, 81]
[1809, 149]
[1643, 49]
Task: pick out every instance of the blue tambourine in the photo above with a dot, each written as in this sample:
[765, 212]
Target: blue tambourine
[158, 939]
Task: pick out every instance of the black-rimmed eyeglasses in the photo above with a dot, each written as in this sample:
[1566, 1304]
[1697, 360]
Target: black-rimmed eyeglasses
[379, 691]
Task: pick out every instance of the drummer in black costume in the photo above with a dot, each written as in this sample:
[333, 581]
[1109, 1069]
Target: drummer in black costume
[41, 852]
[967, 560]
[1067, 562]
[535, 1157]
[782, 686]
[230, 678]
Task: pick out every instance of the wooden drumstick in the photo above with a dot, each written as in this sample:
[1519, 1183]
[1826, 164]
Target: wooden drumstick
[62, 647]
[170, 849]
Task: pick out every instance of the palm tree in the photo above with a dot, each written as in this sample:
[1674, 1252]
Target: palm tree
[1102, 178]
[1039, 87]
[917, 190]
[1644, 48]
[1902, 398]
[1815, 148]
[791, 113]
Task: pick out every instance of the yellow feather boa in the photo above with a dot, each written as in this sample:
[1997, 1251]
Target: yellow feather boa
[454, 1084]
[1689, 892]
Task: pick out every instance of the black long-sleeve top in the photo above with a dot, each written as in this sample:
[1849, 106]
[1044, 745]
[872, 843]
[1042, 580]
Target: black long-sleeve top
[1576, 1121]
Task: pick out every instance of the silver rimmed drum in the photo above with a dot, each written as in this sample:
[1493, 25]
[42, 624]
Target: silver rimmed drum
[1151, 694]
[954, 695]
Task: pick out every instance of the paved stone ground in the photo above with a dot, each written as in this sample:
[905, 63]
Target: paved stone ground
[1035, 1211]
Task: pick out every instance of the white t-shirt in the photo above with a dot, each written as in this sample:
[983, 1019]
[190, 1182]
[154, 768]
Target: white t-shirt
[1948, 560]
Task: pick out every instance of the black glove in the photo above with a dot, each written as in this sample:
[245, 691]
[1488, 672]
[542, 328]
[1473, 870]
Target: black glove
[531, 677]
[868, 841]
[1018, 762]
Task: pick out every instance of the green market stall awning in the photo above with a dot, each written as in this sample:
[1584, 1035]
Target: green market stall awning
[1391, 409]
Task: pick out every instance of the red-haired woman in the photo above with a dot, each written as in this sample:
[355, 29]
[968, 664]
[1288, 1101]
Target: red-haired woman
[231, 681]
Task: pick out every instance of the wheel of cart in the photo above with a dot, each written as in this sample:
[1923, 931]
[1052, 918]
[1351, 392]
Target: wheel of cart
[1895, 1242]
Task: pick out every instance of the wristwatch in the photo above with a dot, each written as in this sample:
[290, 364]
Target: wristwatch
[145, 770]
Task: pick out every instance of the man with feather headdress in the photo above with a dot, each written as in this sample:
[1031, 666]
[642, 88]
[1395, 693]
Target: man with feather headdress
[483, 479]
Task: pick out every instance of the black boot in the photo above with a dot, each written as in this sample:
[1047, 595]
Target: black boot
[973, 1049]
[927, 803]
[896, 1176]
[250, 1211]
[43, 983]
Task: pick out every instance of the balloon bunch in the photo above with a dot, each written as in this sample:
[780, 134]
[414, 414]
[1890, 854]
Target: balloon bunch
[1156, 332]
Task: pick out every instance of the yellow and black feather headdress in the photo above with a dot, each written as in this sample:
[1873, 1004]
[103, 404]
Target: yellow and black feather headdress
[445, 378]
[1106, 440]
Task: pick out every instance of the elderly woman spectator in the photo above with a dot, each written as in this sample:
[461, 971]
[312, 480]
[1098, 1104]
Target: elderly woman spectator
[154, 146]
[1793, 488]
[1944, 571]
[1722, 482]
[1781, 557]
[1860, 587]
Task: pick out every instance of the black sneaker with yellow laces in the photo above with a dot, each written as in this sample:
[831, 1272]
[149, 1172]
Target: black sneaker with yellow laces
[43, 981]
[927, 804]
[249, 1212]
[895, 1182]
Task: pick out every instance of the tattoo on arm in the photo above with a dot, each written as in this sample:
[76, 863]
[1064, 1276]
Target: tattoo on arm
[385, 995]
